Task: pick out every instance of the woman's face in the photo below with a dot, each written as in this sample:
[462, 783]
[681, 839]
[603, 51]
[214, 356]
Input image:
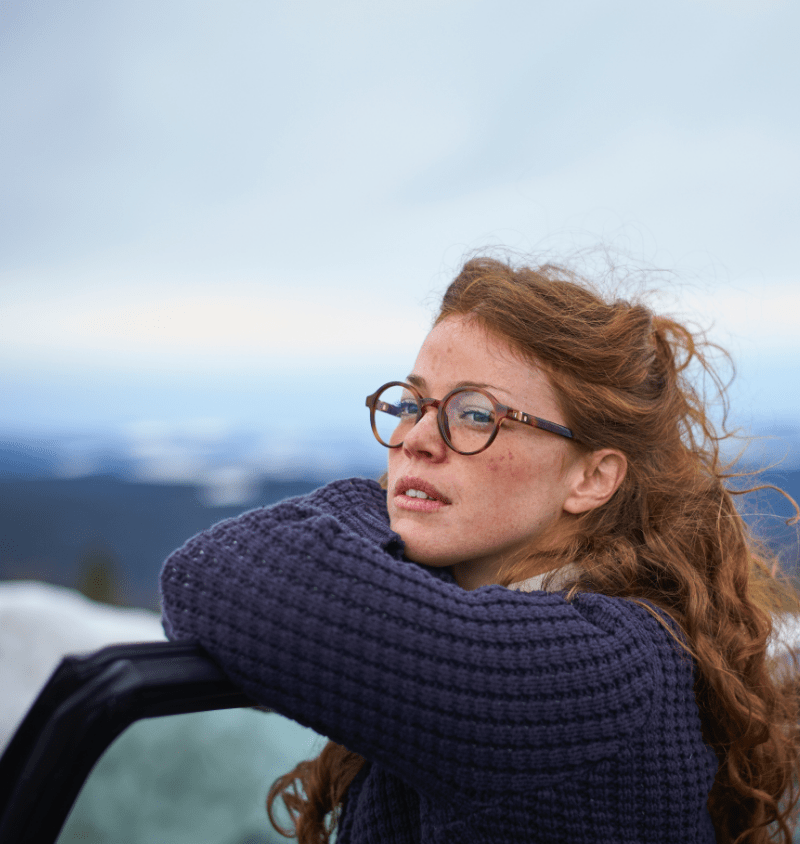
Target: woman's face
[506, 498]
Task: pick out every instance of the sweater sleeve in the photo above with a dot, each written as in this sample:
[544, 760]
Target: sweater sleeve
[310, 608]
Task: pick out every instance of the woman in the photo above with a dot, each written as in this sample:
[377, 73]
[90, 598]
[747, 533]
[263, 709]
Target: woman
[549, 623]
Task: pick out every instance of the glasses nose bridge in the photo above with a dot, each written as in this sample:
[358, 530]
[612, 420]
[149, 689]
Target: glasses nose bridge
[436, 404]
[424, 404]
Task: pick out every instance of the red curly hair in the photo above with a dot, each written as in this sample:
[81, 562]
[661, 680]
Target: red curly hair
[671, 535]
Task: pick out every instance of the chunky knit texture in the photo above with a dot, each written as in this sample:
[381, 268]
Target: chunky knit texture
[485, 716]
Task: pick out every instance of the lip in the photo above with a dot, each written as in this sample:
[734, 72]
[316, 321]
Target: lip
[405, 502]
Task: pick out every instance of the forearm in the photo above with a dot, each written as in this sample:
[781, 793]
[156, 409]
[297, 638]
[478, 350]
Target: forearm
[314, 618]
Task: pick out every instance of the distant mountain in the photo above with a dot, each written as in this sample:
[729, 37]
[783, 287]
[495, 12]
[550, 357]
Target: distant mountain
[33, 459]
[228, 468]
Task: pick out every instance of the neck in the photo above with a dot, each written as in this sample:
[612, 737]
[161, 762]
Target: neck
[473, 574]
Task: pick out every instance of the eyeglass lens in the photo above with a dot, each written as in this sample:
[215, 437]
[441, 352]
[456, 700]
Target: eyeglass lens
[468, 415]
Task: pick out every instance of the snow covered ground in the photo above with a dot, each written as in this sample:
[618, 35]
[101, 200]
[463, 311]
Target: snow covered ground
[40, 624]
[182, 779]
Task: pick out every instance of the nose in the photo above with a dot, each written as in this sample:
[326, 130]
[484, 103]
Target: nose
[424, 439]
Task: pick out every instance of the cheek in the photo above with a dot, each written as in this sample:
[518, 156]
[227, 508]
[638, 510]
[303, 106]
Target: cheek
[508, 465]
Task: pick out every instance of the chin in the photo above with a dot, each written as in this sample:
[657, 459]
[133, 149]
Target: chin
[419, 555]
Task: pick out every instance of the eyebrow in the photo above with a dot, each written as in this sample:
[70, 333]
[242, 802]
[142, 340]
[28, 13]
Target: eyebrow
[419, 381]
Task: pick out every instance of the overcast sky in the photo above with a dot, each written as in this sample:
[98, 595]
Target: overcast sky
[205, 202]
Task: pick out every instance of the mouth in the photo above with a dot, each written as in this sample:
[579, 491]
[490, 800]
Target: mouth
[412, 490]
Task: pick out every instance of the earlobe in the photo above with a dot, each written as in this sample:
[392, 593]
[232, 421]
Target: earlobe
[598, 477]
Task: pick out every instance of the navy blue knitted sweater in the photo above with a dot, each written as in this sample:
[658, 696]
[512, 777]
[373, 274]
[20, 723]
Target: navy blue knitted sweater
[485, 716]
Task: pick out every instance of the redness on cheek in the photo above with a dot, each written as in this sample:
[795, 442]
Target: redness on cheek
[516, 471]
[498, 462]
[495, 462]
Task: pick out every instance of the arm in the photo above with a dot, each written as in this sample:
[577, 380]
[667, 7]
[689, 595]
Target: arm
[310, 608]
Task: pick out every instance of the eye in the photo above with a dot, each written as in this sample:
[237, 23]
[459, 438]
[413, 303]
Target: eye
[470, 410]
[407, 407]
[480, 418]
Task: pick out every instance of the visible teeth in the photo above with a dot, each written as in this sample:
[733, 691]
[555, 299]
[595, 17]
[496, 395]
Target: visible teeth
[417, 493]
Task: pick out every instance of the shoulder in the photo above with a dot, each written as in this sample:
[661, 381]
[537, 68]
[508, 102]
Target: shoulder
[336, 498]
[349, 492]
[651, 627]
[352, 505]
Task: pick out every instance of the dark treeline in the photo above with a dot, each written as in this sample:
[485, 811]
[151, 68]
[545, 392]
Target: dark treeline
[106, 536]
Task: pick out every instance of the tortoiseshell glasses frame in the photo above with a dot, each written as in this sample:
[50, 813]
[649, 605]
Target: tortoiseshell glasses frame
[501, 413]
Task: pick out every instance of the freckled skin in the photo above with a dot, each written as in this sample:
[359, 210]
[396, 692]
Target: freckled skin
[510, 496]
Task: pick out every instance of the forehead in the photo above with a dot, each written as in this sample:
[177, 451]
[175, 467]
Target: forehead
[460, 349]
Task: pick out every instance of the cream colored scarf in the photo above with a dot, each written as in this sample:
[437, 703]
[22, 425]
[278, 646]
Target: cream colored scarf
[536, 583]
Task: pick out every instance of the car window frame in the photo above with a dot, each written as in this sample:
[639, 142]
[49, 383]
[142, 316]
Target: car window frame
[87, 702]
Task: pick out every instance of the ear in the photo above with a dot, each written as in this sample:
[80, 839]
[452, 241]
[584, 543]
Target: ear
[597, 477]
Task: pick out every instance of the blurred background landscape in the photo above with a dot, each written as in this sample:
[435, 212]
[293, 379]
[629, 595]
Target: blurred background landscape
[224, 224]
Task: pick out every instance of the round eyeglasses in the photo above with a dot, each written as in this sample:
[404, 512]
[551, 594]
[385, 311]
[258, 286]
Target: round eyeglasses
[468, 417]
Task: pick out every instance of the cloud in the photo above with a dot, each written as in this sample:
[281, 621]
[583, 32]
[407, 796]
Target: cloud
[140, 325]
[244, 186]
[759, 317]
